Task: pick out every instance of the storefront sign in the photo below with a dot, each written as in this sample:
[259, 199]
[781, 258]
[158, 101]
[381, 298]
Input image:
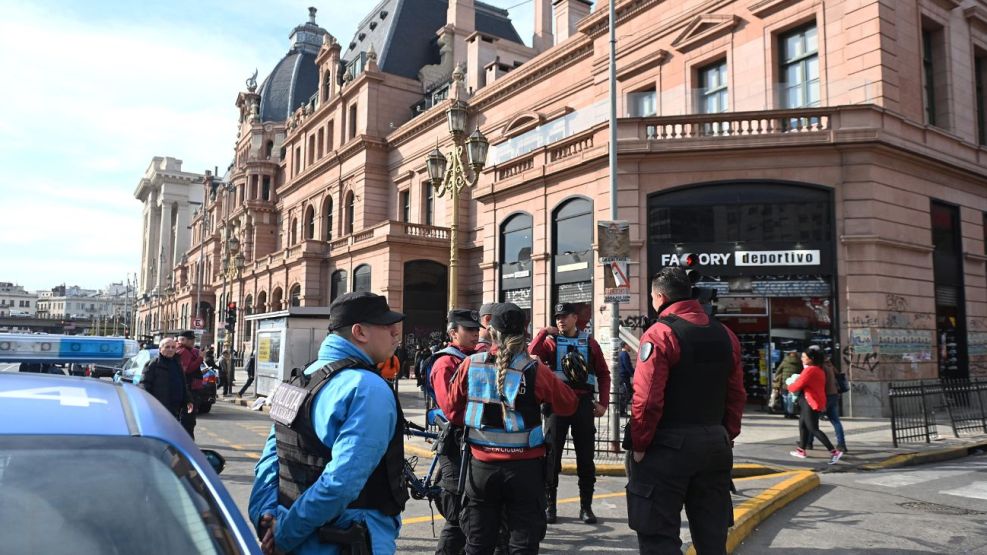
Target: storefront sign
[573, 267]
[518, 274]
[777, 258]
[704, 258]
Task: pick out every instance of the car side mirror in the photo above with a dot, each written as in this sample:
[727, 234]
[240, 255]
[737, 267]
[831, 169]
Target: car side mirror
[216, 461]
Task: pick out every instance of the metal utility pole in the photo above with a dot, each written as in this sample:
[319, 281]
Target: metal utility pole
[614, 307]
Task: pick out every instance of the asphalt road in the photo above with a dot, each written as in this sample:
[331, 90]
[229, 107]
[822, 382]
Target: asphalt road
[937, 508]
[239, 434]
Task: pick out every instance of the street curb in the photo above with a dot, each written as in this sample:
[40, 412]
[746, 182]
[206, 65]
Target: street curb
[923, 457]
[751, 513]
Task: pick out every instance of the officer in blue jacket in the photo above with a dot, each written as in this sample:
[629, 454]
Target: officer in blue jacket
[330, 473]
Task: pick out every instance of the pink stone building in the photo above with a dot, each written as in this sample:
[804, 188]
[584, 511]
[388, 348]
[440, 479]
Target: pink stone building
[823, 162]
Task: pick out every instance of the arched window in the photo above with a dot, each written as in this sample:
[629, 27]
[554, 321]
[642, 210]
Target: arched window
[293, 233]
[572, 254]
[515, 261]
[361, 278]
[248, 309]
[337, 284]
[268, 151]
[295, 295]
[276, 299]
[326, 85]
[327, 218]
[350, 211]
[261, 302]
[310, 222]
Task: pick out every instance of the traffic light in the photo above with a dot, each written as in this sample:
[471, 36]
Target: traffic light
[230, 316]
[690, 260]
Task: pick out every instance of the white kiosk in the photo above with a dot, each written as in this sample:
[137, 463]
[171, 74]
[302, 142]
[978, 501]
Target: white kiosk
[284, 340]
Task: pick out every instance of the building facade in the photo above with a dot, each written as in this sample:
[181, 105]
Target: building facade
[15, 301]
[821, 162]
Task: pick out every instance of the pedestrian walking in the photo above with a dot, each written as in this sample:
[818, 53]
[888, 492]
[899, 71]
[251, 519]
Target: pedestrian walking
[576, 358]
[251, 362]
[226, 370]
[165, 380]
[496, 395]
[811, 389]
[463, 328]
[833, 404]
[191, 361]
[779, 397]
[626, 377]
[329, 479]
[688, 401]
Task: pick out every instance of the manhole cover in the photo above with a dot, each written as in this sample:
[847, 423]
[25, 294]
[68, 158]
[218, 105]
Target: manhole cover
[937, 508]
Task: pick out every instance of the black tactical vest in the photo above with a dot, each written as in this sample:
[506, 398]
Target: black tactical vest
[302, 457]
[697, 386]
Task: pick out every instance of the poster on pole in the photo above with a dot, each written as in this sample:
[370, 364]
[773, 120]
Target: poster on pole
[614, 239]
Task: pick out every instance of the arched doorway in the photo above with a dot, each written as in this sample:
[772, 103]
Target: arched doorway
[425, 300]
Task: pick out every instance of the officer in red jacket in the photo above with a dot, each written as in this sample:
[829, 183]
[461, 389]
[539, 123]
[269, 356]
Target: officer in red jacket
[191, 361]
[688, 401]
[577, 347]
[497, 395]
[463, 328]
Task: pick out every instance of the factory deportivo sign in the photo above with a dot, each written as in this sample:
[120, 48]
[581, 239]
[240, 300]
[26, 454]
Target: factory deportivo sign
[744, 258]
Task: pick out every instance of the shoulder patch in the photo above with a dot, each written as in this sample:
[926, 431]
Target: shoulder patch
[645, 352]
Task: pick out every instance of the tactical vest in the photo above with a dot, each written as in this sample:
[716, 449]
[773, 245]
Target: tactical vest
[580, 344]
[695, 394]
[449, 350]
[488, 424]
[302, 457]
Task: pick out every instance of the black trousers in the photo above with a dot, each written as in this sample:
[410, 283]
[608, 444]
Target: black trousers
[809, 426]
[683, 466]
[452, 540]
[583, 440]
[188, 418]
[250, 380]
[511, 490]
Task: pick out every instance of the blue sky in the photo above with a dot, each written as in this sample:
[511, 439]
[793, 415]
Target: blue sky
[92, 90]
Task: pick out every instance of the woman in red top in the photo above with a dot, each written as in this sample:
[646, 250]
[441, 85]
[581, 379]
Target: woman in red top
[497, 396]
[811, 384]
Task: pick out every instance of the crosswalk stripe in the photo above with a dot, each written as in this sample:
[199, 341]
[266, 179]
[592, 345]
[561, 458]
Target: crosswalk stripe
[973, 490]
[903, 479]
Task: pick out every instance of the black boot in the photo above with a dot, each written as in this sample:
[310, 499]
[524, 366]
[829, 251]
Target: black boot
[586, 515]
[586, 507]
[551, 514]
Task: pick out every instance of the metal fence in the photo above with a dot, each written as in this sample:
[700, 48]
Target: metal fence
[919, 407]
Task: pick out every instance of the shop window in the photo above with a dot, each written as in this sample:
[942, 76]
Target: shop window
[934, 79]
[947, 270]
[337, 284]
[799, 71]
[515, 267]
[572, 253]
[361, 278]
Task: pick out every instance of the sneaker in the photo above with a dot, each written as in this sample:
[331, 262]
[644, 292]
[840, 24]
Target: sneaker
[837, 455]
[798, 453]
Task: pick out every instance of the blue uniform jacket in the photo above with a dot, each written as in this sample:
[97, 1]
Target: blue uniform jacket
[354, 414]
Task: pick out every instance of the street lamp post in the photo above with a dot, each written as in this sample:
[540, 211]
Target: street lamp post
[450, 174]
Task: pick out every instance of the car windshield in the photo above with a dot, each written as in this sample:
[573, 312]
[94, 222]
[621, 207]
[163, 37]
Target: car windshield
[99, 495]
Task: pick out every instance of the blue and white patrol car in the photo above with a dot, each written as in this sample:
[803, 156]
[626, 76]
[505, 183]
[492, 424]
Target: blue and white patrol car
[91, 466]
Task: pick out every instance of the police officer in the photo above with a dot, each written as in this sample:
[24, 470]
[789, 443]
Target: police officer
[688, 400]
[485, 312]
[463, 328]
[563, 348]
[497, 395]
[332, 465]
[191, 361]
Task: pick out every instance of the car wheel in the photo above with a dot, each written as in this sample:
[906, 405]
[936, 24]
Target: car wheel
[204, 408]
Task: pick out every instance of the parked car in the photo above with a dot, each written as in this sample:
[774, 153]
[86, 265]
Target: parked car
[139, 462]
[133, 369]
[209, 379]
[104, 369]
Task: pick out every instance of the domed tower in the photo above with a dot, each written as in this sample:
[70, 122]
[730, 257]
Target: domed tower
[295, 78]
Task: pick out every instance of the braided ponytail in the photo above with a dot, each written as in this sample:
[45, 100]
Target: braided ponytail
[508, 346]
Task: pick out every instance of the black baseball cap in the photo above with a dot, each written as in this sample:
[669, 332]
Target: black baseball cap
[187, 334]
[507, 318]
[468, 319]
[565, 308]
[361, 308]
[486, 309]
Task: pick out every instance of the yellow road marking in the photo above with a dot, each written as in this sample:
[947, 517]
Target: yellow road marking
[438, 518]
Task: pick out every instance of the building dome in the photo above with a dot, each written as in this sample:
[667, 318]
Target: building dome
[295, 79]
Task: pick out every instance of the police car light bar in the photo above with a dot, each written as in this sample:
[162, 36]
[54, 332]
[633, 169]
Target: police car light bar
[64, 348]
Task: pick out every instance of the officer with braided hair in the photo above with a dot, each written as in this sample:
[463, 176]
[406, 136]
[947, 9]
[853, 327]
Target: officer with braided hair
[497, 396]
[578, 361]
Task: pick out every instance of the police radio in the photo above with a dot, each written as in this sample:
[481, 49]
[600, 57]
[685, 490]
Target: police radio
[705, 295]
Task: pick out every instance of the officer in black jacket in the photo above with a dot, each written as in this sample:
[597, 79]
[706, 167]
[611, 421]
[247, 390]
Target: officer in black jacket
[165, 380]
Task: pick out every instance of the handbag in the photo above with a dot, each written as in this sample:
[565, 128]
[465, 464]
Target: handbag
[842, 383]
